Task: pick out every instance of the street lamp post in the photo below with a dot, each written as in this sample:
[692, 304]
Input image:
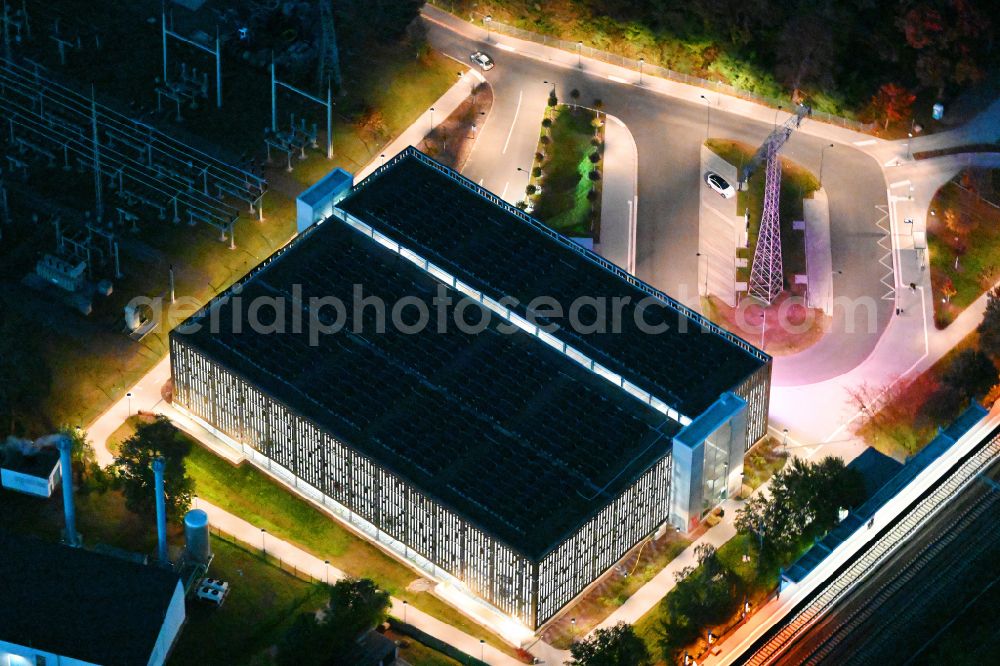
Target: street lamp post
[909, 140]
[641, 62]
[776, 111]
[822, 150]
[432, 118]
[482, 650]
[129, 396]
[405, 604]
[579, 54]
[708, 117]
[263, 543]
[487, 21]
[327, 564]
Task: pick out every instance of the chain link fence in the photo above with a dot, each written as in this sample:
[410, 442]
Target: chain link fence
[583, 51]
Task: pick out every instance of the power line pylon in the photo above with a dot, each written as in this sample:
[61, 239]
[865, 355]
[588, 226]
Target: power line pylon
[766, 276]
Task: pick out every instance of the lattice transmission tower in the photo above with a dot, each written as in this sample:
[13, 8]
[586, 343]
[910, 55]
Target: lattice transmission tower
[766, 276]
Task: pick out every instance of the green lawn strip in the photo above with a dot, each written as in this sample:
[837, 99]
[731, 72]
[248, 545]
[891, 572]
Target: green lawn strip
[797, 183]
[757, 583]
[565, 181]
[978, 251]
[417, 654]
[613, 590]
[253, 496]
[262, 603]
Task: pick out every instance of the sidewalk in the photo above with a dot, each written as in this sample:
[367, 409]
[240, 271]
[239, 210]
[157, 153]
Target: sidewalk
[619, 202]
[819, 261]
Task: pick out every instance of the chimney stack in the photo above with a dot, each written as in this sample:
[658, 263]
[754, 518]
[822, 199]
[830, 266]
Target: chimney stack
[69, 509]
[159, 464]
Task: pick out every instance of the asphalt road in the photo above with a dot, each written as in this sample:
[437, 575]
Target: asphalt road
[669, 133]
[901, 612]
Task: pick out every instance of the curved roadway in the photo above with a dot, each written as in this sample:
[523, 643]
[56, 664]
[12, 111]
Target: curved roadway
[669, 132]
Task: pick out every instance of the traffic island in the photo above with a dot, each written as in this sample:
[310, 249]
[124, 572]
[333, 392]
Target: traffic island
[728, 231]
[565, 187]
[963, 240]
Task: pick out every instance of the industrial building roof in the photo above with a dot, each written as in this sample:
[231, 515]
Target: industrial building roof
[80, 604]
[491, 245]
[501, 428]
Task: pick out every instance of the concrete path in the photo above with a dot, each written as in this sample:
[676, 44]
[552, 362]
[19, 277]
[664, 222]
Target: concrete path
[650, 594]
[819, 261]
[619, 199]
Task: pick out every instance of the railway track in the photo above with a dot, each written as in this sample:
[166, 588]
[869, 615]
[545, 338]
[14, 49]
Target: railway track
[875, 554]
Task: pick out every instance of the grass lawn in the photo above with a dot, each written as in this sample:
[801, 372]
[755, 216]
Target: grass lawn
[963, 239]
[418, 654]
[565, 203]
[262, 604]
[757, 583]
[250, 494]
[902, 425]
[613, 589]
[797, 183]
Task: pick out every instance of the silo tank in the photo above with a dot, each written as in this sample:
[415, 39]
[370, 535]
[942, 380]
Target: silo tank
[196, 538]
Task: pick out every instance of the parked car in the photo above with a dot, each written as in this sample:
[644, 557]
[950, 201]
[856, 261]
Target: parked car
[211, 595]
[720, 185]
[484, 61]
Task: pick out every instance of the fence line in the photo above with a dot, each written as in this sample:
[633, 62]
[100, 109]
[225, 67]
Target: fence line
[649, 69]
[256, 550]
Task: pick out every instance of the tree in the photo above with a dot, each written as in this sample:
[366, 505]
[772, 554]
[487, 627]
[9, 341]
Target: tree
[971, 374]
[892, 104]
[804, 500]
[134, 467]
[25, 377]
[959, 223]
[615, 646]
[805, 53]
[989, 327]
[356, 605]
[948, 290]
[81, 452]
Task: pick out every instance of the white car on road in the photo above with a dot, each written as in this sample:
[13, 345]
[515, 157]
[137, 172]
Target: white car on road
[720, 185]
[484, 61]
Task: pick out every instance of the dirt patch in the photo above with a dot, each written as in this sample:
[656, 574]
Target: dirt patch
[451, 142]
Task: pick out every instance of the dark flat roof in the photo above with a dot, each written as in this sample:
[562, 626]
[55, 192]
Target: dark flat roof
[507, 432]
[490, 245]
[38, 464]
[80, 604]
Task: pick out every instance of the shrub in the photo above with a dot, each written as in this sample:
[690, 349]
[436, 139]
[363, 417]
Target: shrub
[553, 100]
[545, 140]
[595, 157]
[536, 172]
[592, 195]
[539, 157]
[595, 142]
[595, 174]
[546, 122]
[530, 189]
